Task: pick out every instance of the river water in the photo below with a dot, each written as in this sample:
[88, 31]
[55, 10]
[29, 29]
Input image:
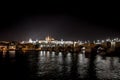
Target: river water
[45, 65]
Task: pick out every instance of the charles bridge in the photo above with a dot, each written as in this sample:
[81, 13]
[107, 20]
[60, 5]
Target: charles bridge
[75, 47]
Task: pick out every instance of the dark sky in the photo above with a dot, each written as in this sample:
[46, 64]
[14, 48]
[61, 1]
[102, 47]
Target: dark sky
[60, 23]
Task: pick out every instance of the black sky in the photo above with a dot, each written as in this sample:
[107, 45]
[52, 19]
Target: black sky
[60, 23]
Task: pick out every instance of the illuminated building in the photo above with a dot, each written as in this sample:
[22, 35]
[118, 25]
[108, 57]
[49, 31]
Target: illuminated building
[30, 40]
[48, 38]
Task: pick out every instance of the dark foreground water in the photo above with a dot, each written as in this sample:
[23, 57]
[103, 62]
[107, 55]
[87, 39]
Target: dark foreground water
[45, 65]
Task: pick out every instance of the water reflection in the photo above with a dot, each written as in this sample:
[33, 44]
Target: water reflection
[12, 54]
[50, 65]
[82, 65]
[68, 58]
[45, 63]
[108, 68]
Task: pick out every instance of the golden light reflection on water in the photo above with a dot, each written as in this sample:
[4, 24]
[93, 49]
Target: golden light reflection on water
[12, 53]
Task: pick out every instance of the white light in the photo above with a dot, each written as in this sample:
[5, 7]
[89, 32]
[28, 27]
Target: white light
[103, 41]
[30, 40]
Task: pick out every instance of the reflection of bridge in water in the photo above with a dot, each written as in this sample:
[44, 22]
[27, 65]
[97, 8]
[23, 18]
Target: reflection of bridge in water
[67, 65]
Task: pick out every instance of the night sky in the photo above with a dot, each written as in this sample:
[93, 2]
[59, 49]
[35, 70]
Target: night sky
[60, 23]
